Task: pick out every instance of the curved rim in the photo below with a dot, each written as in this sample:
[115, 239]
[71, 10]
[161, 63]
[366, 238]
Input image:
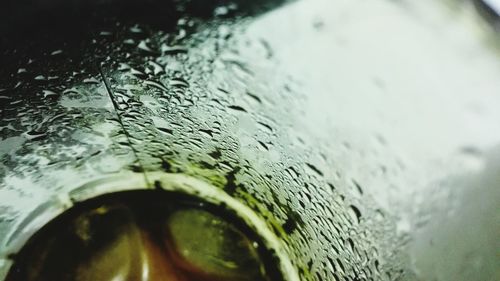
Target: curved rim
[133, 181]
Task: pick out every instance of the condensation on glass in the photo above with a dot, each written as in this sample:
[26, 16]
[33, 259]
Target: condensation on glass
[353, 130]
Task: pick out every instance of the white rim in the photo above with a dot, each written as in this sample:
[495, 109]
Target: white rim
[133, 181]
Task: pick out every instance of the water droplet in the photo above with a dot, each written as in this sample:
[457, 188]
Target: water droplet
[237, 108]
[157, 69]
[178, 82]
[207, 132]
[354, 213]
[221, 11]
[135, 29]
[263, 145]
[144, 47]
[314, 169]
[318, 24]
[172, 50]
[48, 93]
[357, 187]
[129, 41]
[105, 33]
[255, 97]
[91, 81]
[56, 52]
[265, 127]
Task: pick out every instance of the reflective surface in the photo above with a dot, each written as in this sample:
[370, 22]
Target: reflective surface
[143, 235]
[366, 134]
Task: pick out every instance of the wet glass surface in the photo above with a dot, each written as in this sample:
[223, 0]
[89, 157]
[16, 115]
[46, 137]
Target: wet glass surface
[365, 134]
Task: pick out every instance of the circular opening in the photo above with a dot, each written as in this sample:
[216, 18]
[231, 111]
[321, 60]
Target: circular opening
[147, 235]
